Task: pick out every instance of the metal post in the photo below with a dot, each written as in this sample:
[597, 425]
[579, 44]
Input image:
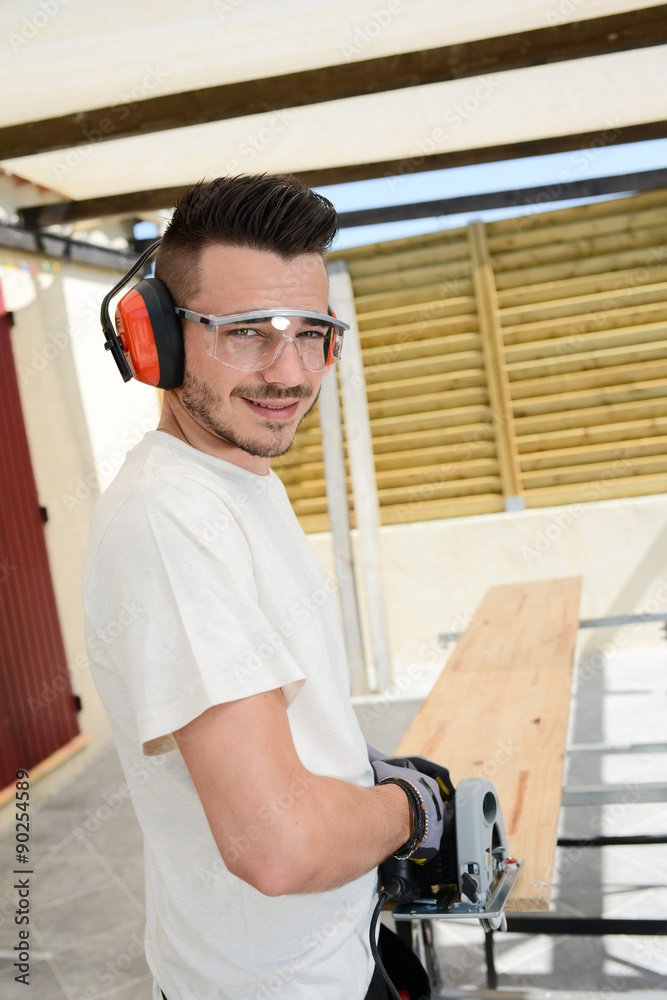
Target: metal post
[362, 469]
[339, 515]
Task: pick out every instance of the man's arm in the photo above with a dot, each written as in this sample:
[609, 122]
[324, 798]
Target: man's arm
[277, 826]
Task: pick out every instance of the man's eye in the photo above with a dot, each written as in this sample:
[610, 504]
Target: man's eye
[313, 334]
[243, 331]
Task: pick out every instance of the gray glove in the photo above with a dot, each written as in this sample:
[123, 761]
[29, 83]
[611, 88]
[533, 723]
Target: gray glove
[427, 786]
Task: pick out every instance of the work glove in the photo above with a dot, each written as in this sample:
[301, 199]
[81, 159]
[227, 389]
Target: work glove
[428, 787]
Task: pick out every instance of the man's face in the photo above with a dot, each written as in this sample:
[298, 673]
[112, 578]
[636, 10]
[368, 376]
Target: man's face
[256, 412]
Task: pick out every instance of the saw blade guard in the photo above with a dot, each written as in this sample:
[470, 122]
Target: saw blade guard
[480, 838]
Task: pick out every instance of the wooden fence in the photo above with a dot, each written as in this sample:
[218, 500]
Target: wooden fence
[522, 362]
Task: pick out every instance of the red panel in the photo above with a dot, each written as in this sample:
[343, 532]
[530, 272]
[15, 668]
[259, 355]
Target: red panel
[37, 711]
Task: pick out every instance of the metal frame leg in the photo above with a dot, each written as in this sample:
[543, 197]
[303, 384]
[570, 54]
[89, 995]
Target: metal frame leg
[491, 974]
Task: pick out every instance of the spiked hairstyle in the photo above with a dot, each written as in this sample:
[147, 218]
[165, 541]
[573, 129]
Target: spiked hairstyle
[258, 212]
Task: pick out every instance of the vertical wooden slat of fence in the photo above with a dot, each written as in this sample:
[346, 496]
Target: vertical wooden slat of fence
[494, 362]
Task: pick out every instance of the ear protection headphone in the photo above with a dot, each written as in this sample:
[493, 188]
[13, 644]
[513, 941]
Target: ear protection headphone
[147, 341]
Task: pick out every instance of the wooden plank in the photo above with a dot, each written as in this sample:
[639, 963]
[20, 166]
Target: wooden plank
[426, 275]
[407, 243]
[622, 467]
[451, 472]
[132, 202]
[499, 710]
[494, 364]
[440, 437]
[604, 379]
[535, 444]
[627, 356]
[430, 510]
[570, 40]
[583, 246]
[397, 368]
[450, 332]
[636, 277]
[648, 318]
[440, 488]
[392, 406]
[460, 308]
[429, 385]
[562, 402]
[600, 488]
[592, 187]
[407, 259]
[422, 458]
[430, 415]
[563, 231]
[616, 451]
[580, 305]
[595, 210]
[643, 259]
[651, 403]
[453, 289]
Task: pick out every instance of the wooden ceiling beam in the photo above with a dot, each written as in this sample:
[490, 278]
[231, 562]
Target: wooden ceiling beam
[595, 36]
[592, 187]
[135, 202]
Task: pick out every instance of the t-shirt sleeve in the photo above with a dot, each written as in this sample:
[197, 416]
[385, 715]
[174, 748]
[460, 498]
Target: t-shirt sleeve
[173, 609]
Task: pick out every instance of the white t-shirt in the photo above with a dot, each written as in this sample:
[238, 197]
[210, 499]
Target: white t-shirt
[201, 588]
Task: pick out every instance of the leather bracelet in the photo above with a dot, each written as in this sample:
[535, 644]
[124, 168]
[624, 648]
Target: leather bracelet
[419, 816]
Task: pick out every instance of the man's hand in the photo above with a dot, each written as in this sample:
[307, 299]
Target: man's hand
[432, 786]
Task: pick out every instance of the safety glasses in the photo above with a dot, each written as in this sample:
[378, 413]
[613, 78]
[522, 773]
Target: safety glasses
[253, 341]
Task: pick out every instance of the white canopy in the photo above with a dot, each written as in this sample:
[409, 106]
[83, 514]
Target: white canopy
[62, 57]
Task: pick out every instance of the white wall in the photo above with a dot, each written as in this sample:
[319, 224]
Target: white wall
[80, 420]
[435, 573]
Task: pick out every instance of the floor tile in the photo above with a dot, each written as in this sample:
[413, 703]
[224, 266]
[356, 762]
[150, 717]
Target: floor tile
[104, 963]
[103, 909]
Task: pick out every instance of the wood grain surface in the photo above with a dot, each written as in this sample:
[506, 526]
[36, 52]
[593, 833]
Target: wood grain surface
[500, 710]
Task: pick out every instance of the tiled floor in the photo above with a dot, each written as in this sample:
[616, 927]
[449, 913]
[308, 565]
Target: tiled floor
[87, 895]
[87, 889]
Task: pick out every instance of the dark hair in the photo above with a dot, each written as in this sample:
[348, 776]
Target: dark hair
[259, 212]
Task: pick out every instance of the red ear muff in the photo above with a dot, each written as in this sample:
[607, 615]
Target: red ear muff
[150, 334]
[148, 341]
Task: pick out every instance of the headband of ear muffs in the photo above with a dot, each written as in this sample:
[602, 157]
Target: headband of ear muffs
[147, 340]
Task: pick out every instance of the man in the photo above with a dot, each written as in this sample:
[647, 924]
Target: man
[227, 692]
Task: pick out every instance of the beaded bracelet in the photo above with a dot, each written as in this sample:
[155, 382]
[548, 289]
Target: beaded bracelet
[419, 816]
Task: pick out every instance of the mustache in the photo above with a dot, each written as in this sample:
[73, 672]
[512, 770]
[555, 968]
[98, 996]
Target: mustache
[259, 393]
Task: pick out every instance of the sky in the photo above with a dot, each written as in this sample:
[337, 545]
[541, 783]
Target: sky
[575, 165]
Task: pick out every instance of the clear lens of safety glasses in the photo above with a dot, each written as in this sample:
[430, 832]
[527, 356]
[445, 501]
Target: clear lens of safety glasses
[252, 341]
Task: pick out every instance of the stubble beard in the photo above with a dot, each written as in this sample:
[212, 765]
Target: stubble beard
[202, 403]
